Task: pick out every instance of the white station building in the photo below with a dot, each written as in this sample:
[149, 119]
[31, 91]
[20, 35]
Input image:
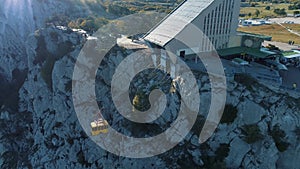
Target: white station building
[195, 26]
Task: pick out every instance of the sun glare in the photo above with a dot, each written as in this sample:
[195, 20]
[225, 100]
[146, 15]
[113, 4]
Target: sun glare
[20, 10]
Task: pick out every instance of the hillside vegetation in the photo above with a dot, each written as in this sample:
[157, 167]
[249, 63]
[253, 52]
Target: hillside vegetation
[269, 9]
[249, 9]
[115, 9]
[277, 32]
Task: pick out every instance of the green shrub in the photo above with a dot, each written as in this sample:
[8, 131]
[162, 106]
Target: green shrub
[214, 161]
[118, 10]
[229, 114]
[222, 152]
[46, 71]
[257, 12]
[279, 136]
[41, 51]
[210, 162]
[251, 133]
[295, 6]
[141, 102]
[280, 11]
[63, 49]
[245, 80]
[81, 159]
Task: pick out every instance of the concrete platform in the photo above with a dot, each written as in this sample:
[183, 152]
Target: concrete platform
[127, 43]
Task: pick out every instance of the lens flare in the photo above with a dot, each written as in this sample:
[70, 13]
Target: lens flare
[20, 11]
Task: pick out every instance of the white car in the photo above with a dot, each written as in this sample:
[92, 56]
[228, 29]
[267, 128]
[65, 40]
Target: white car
[289, 22]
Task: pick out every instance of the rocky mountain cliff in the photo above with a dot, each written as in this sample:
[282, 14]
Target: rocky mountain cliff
[18, 21]
[259, 128]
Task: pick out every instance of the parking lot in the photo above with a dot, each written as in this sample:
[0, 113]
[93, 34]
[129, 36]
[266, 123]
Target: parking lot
[285, 19]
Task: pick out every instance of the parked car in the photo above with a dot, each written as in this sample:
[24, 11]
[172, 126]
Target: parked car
[289, 22]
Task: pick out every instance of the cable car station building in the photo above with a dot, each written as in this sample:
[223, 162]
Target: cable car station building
[218, 22]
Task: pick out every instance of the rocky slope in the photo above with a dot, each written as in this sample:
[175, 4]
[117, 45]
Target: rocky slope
[20, 18]
[260, 128]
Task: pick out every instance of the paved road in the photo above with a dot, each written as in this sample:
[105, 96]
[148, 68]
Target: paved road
[282, 20]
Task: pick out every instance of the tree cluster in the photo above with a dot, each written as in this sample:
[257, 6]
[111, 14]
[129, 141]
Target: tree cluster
[280, 11]
[89, 24]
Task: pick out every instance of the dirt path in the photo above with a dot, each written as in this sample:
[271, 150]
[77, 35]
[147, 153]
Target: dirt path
[291, 31]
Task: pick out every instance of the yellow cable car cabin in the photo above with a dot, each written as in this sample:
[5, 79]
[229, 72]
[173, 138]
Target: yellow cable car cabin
[99, 126]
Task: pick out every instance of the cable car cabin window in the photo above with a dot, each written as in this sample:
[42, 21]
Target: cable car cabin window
[94, 129]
